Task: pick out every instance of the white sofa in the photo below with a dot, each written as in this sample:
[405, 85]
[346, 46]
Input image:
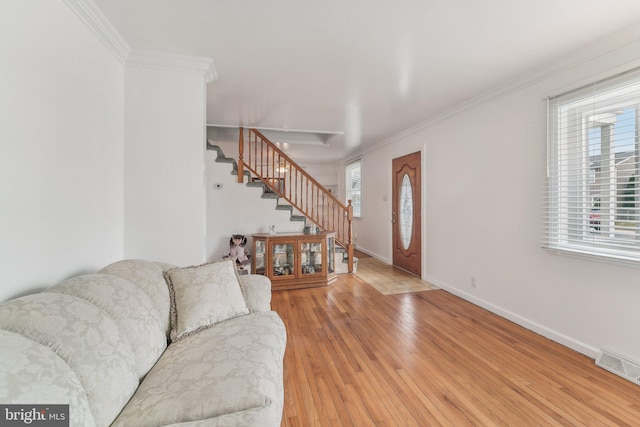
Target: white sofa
[99, 343]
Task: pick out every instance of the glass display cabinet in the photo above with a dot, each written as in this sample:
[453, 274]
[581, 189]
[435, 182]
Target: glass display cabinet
[294, 260]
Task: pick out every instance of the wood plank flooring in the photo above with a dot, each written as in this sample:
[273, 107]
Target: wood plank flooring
[389, 280]
[356, 357]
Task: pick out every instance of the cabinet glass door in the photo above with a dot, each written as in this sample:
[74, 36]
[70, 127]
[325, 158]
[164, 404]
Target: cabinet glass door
[311, 259]
[282, 259]
[260, 256]
[331, 254]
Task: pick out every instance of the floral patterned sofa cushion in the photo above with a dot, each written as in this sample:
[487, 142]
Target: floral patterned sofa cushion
[255, 417]
[256, 290]
[230, 368]
[87, 340]
[132, 310]
[53, 382]
[202, 296]
[148, 276]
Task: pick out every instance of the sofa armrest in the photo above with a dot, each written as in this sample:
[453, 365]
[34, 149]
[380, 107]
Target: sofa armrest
[256, 290]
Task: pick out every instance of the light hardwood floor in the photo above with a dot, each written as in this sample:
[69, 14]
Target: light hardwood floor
[389, 280]
[356, 357]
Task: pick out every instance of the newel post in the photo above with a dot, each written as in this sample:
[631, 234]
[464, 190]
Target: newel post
[241, 157]
[350, 237]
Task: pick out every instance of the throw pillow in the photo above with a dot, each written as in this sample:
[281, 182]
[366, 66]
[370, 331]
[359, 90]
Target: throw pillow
[202, 296]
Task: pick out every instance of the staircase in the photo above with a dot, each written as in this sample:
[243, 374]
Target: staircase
[222, 158]
[286, 180]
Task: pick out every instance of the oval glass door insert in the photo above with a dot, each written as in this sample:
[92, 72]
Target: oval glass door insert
[406, 212]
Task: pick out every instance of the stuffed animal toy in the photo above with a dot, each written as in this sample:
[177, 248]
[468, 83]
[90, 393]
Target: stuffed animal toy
[237, 250]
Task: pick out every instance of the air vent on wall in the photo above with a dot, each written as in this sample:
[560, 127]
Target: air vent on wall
[619, 366]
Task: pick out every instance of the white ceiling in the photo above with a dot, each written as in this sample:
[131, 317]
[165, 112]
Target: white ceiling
[366, 70]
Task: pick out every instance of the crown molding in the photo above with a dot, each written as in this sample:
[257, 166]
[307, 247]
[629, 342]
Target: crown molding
[98, 24]
[608, 45]
[95, 20]
[156, 60]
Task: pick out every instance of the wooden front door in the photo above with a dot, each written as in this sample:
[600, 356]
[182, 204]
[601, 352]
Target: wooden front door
[406, 214]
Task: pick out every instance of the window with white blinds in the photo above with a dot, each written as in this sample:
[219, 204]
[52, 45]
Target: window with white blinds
[593, 197]
[353, 184]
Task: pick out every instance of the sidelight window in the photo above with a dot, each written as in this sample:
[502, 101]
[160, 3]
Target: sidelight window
[353, 182]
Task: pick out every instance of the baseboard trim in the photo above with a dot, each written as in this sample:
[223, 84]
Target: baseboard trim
[546, 332]
[374, 255]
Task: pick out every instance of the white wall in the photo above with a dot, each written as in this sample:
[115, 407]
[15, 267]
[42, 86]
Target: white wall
[372, 231]
[327, 175]
[483, 178]
[61, 136]
[236, 208]
[165, 198]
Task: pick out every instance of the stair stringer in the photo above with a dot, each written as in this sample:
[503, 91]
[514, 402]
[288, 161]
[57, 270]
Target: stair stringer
[221, 158]
[240, 209]
[281, 205]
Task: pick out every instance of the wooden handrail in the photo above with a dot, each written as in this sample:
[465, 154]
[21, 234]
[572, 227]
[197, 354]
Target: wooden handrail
[290, 181]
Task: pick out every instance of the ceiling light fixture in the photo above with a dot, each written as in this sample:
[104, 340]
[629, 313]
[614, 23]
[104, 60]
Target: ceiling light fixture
[282, 167]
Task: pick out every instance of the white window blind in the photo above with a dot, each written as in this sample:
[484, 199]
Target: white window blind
[353, 183]
[593, 156]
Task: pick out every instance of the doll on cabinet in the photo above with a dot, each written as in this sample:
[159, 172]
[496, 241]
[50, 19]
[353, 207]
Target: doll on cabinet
[238, 252]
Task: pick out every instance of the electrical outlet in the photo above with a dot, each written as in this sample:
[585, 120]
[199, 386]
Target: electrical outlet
[474, 282]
